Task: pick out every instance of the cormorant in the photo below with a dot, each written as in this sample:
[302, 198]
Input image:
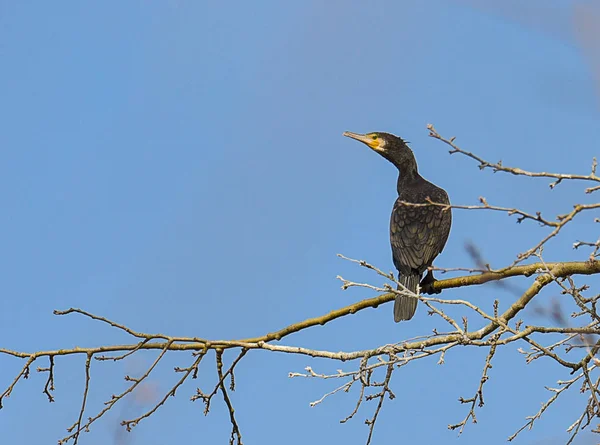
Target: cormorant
[417, 234]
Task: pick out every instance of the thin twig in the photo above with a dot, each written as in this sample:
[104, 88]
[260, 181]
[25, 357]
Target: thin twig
[129, 424]
[498, 167]
[77, 425]
[235, 429]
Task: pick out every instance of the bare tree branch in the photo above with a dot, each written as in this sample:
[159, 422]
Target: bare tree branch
[572, 342]
[498, 167]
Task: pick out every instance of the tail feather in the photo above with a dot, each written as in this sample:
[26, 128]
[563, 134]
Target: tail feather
[404, 306]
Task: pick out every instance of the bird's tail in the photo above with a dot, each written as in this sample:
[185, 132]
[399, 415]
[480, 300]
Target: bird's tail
[404, 306]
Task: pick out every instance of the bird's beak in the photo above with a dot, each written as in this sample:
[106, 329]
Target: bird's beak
[374, 144]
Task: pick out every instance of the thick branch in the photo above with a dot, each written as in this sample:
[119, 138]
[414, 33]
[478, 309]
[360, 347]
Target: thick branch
[262, 342]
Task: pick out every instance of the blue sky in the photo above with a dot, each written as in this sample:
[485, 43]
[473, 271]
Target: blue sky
[179, 167]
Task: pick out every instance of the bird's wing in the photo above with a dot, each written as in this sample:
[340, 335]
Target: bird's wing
[418, 234]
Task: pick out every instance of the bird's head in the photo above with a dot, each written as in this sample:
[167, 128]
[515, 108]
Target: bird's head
[391, 147]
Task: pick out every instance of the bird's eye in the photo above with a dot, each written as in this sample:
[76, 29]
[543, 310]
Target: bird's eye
[374, 137]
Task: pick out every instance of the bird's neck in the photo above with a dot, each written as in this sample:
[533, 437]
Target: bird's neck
[407, 171]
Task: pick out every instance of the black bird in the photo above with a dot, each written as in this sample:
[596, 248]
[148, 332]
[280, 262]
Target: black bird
[417, 233]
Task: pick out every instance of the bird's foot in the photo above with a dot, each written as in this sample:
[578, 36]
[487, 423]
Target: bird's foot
[426, 284]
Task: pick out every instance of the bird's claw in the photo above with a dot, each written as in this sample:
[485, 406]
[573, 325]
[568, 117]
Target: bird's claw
[427, 285]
